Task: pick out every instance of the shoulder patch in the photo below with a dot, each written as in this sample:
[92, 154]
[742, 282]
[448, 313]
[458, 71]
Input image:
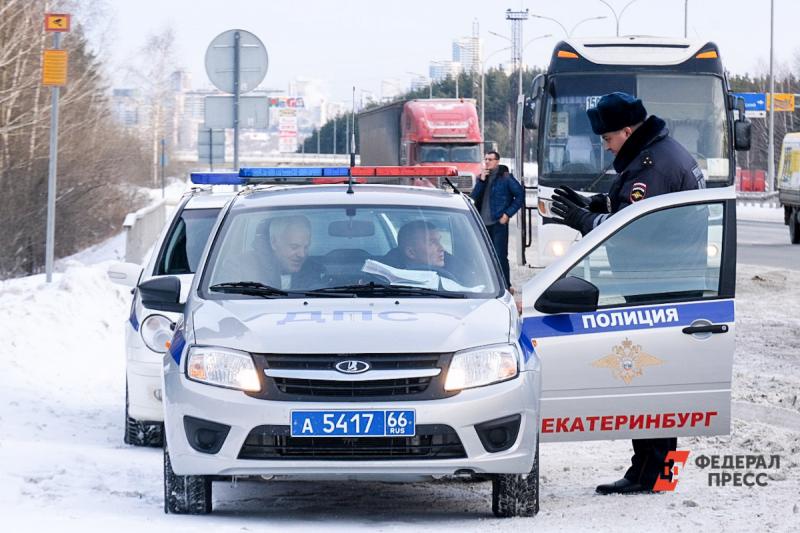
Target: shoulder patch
[638, 192]
[698, 175]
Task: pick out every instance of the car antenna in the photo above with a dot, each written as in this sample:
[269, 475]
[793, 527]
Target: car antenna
[451, 184]
[352, 145]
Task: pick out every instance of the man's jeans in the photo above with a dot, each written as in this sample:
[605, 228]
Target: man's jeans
[499, 234]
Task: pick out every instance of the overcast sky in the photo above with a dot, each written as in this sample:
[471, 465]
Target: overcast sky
[359, 42]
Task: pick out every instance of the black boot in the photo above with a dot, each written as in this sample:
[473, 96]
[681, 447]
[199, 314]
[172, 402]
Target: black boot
[622, 486]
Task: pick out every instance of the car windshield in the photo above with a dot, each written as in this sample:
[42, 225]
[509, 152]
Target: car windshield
[364, 251]
[449, 153]
[186, 241]
[692, 106]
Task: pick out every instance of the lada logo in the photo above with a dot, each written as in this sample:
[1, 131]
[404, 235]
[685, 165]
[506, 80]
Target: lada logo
[351, 366]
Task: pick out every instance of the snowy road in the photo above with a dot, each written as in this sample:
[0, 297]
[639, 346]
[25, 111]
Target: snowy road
[64, 465]
[766, 243]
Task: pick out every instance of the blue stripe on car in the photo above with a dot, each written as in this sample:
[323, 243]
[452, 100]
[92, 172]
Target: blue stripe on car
[133, 319]
[631, 318]
[177, 345]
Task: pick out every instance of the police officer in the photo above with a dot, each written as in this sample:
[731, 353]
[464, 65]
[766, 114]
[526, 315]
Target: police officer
[648, 162]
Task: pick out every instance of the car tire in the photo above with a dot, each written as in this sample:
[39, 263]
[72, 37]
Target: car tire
[139, 433]
[794, 226]
[185, 494]
[517, 494]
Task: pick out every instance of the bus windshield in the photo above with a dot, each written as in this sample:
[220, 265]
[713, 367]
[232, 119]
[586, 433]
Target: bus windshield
[693, 107]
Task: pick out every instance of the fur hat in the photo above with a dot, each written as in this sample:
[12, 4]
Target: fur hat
[615, 111]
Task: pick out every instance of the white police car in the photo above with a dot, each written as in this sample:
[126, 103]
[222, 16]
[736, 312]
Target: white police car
[330, 333]
[176, 253]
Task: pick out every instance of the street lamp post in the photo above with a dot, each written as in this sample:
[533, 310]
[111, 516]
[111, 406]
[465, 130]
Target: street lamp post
[563, 28]
[617, 16]
[685, 18]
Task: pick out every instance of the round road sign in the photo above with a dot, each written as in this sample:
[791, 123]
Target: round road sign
[220, 61]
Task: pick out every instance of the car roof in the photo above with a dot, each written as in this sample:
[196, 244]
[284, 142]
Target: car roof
[207, 199]
[363, 194]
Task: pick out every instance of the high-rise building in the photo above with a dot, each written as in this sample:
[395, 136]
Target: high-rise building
[467, 52]
[125, 107]
[440, 70]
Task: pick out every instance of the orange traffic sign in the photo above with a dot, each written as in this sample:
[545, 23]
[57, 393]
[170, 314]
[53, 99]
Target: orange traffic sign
[54, 68]
[783, 102]
[56, 22]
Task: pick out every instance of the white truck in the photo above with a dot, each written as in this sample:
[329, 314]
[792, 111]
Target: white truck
[789, 184]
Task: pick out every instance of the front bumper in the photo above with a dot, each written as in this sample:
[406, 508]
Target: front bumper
[243, 413]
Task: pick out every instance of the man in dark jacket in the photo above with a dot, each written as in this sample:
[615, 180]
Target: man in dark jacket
[648, 162]
[498, 196]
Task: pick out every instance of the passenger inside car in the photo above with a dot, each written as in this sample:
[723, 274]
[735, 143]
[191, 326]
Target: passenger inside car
[280, 255]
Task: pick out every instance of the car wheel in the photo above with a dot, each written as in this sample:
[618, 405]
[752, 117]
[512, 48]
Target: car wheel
[139, 433]
[517, 494]
[185, 494]
[794, 226]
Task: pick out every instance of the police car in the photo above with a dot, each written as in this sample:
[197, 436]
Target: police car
[176, 253]
[366, 331]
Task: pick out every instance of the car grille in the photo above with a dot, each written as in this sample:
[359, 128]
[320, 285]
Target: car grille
[309, 387]
[432, 441]
[353, 389]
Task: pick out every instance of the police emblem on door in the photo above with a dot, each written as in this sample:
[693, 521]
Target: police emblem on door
[627, 361]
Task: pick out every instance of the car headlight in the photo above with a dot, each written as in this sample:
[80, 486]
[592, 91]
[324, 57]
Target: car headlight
[222, 367]
[475, 368]
[156, 332]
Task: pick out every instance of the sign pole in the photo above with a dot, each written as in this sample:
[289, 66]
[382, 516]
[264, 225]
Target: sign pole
[211, 149]
[51, 174]
[236, 50]
[771, 104]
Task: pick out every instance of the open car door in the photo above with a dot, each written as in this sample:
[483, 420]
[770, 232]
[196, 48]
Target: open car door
[634, 326]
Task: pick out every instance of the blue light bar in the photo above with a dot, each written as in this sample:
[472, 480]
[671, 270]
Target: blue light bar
[294, 172]
[216, 178]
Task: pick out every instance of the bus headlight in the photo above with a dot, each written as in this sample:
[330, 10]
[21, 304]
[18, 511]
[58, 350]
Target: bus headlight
[712, 250]
[475, 368]
[222, 367]
[156, 332]
[544, 208]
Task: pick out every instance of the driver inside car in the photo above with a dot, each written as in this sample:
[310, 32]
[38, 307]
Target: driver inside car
[419, 247]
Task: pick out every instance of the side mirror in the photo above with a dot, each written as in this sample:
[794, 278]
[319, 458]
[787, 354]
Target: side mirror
[741, 134]
[568, 295]
[529, 114]
[126, 274]
[529, 109]
[162, 294]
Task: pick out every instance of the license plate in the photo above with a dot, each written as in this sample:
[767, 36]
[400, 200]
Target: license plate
[374, 423]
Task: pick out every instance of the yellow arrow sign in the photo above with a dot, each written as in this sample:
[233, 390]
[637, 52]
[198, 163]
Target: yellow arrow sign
[54, 67]
[56, 22]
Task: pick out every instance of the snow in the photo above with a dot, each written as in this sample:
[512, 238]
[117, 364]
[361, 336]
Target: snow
[64, 464]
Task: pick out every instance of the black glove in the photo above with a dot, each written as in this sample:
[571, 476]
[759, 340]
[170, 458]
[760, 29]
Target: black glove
[568, 192]
[574, 215]
[596, 204]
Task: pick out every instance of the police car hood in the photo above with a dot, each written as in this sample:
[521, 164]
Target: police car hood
[357, 325]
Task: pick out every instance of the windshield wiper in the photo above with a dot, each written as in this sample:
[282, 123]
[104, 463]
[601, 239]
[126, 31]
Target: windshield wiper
[253, 288]
[378, 289]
